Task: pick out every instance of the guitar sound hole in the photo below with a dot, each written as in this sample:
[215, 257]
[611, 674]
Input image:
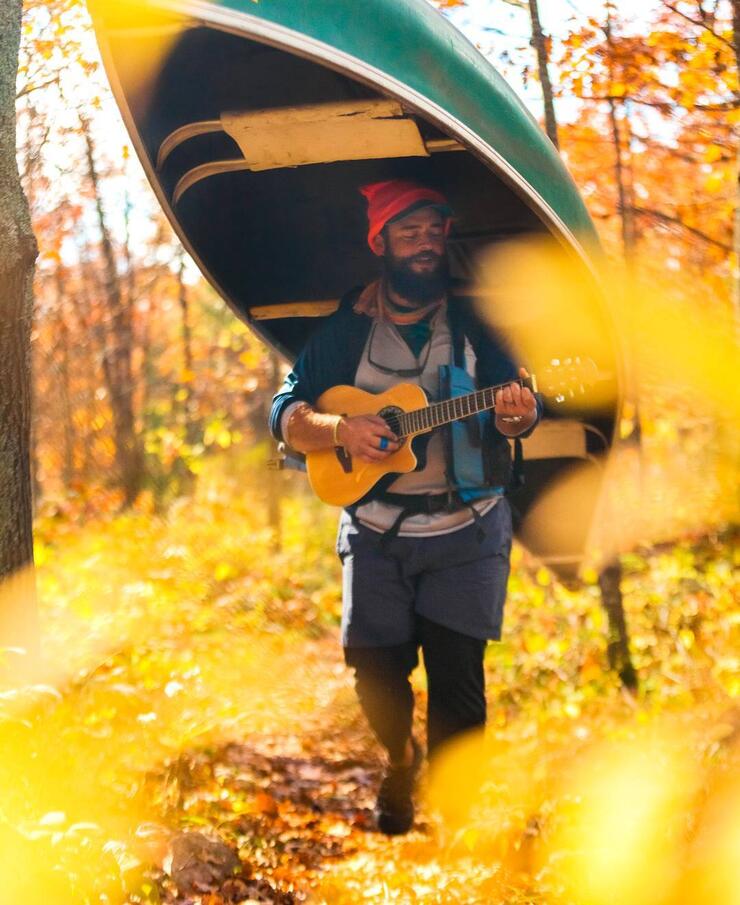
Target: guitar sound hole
[391, 414]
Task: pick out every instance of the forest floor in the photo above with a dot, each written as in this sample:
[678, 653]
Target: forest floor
[198, 739]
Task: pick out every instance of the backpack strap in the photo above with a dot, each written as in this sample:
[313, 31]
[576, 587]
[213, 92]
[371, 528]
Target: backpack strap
[458, 345]
[517, 471]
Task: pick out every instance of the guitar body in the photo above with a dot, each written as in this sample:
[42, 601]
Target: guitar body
[338, 478]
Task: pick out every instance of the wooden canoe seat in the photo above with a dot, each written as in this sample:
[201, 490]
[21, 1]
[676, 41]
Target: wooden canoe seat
[561, 439]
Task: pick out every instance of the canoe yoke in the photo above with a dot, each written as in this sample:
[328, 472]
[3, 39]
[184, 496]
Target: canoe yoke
[360, 129]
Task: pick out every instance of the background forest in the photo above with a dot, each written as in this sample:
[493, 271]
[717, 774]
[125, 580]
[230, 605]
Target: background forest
[176, 571]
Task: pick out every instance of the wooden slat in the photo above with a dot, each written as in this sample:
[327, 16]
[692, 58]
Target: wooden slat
[294, 309]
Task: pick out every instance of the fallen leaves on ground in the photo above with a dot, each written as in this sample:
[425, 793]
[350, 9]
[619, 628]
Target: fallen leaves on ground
[191, 701]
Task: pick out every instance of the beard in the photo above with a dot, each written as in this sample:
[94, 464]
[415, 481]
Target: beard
[420, 288]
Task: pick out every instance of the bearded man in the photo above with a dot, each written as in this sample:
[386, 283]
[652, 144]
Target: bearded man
[425, 555]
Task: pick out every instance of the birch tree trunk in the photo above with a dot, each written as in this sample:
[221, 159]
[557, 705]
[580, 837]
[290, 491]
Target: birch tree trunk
[18, 620]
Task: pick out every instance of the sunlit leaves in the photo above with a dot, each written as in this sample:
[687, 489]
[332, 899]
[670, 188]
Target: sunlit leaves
[683, 356]
[197, 636]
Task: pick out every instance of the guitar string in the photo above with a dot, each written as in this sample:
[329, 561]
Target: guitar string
[453, 409]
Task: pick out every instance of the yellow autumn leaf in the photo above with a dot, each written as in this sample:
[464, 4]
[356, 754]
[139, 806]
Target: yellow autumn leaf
[589, 575]
[224, 571]
[223, 438]
[715, 181]
[534, 643]
[713, 153]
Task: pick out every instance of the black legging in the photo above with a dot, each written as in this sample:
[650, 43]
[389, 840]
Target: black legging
[455, 680]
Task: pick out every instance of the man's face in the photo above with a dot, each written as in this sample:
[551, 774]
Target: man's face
[415, 253]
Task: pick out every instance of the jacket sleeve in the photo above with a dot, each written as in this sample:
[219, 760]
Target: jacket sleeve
[326, 360]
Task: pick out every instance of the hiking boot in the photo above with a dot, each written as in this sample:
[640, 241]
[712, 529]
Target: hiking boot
[395, 805]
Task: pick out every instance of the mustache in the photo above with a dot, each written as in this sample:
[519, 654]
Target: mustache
[424, 256]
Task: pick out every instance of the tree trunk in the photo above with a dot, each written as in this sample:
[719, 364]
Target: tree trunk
[18, 619]
[118, 350]
[736, 248]
[538, 39]
[67, 412]
[736, 231]
[618, 649]
[193, 427]
[625, 209]
[89, 326]
[146, 368]
[187, 415]
[610, 576]
[274, 477]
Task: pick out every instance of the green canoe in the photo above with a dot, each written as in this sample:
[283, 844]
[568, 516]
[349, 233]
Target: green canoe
[257, 120]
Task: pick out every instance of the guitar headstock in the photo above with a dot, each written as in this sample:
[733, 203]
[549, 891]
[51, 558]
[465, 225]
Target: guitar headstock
[564, 379]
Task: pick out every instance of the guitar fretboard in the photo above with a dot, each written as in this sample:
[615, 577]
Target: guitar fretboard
[438, 413]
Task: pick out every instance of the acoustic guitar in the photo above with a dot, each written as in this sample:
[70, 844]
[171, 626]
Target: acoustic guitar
[340, 479]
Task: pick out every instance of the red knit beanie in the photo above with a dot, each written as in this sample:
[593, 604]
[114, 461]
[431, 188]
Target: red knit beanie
[389, 199]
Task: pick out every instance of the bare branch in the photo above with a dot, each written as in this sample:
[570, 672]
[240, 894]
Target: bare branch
[30, 87]
[676, 221]
[698, 22]
[666, 106]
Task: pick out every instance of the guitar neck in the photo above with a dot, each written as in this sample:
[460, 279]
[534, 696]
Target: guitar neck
[421, 420]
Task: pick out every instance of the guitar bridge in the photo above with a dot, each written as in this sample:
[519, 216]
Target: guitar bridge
[345, 459]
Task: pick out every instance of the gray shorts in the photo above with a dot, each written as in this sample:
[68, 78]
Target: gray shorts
[457, 580]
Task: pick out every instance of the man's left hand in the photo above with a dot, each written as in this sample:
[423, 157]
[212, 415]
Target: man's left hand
[515, 401]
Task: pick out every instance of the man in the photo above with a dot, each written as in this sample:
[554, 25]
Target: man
[425, 555]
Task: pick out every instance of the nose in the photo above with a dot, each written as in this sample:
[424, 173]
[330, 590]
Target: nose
[428, 241]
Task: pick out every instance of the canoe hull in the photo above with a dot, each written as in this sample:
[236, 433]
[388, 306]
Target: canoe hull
[218, 97]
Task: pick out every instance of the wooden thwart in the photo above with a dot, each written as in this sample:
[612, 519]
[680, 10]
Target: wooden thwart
[294, 309]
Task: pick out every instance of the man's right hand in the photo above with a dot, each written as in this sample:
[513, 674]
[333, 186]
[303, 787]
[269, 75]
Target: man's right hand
[361, 436]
